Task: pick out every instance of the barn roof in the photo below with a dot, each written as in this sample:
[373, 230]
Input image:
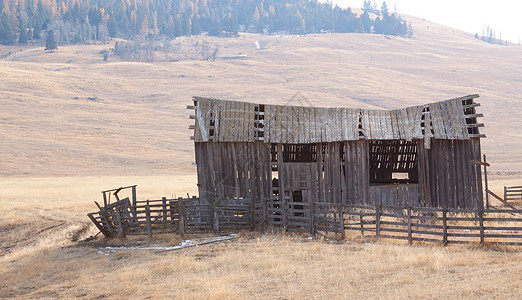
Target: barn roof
[233, 121]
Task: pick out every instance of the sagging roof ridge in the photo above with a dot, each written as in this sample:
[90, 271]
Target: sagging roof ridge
[236, 121]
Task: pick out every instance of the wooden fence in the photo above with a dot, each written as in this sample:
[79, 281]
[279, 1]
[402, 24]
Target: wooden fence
[437, 225]
[182, 215]
[413, 224]
[512, 193]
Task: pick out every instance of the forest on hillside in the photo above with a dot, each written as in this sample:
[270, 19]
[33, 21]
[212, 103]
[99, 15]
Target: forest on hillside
[85, 21]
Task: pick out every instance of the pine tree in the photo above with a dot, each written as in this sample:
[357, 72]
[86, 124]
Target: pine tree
[112, 26]
[37, 30]
[384, 8]
[22, 37]
[367, 6]
[7, 36]
[50, 41]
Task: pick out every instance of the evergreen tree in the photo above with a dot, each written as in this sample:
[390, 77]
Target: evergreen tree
[384, 8]
[50, 41]
[7, 36]
[367, 6]
[37, 30]
[112, 27]
[22, 36]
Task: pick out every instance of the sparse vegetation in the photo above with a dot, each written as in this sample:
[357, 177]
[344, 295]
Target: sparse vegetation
[489, 35]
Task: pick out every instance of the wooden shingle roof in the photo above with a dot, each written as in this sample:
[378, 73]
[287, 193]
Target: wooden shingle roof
[232, 121]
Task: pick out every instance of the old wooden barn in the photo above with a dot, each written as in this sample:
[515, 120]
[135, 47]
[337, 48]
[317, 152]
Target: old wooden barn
[421, 156]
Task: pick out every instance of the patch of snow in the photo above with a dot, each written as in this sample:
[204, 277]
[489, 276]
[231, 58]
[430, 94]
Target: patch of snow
[183, 244]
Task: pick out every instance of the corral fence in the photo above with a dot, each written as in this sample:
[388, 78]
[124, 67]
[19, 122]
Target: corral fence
[181, 215]
[413, 224]
[436, 225]
[512, 193]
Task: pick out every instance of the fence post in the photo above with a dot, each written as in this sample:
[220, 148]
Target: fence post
[486, 181]
[149, 225]
[134, 196]
[444, 226]
[505, 193]
[409, 226]
[283, 212]
[377, 221]
[481, 225]
[341, 220]
[312, 218]
[215, 218]
[252, 208]
[104, 199]
[164, 204]
[362, 223]
[120, 223]
[181, 218]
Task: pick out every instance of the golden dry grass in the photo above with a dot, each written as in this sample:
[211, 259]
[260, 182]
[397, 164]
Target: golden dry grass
[44, 261]
[268, 266]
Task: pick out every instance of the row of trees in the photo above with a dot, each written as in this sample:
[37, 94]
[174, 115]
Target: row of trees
[78, 21]
[489, 35]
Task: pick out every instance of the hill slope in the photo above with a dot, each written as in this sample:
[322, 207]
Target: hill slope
[135, 122]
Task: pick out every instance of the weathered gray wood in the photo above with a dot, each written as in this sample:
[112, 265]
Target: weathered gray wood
[149, 224]
[102, 229]
[409, 226]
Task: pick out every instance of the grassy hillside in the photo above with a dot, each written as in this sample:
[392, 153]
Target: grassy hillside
[138, 123]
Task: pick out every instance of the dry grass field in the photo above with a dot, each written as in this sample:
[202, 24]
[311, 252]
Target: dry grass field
[58, 150]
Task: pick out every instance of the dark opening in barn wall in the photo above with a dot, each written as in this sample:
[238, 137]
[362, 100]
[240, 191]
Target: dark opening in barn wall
[393, 157]
[300, 153]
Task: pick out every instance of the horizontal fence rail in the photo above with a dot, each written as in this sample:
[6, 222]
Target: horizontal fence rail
[412, 224]
[512, 193]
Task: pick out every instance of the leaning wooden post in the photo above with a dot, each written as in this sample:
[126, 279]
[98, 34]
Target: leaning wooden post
[409, 226]
[149, 225]
[444, 226]
[341, 220]
[181, 217]
[377, 221]
[481, 225]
